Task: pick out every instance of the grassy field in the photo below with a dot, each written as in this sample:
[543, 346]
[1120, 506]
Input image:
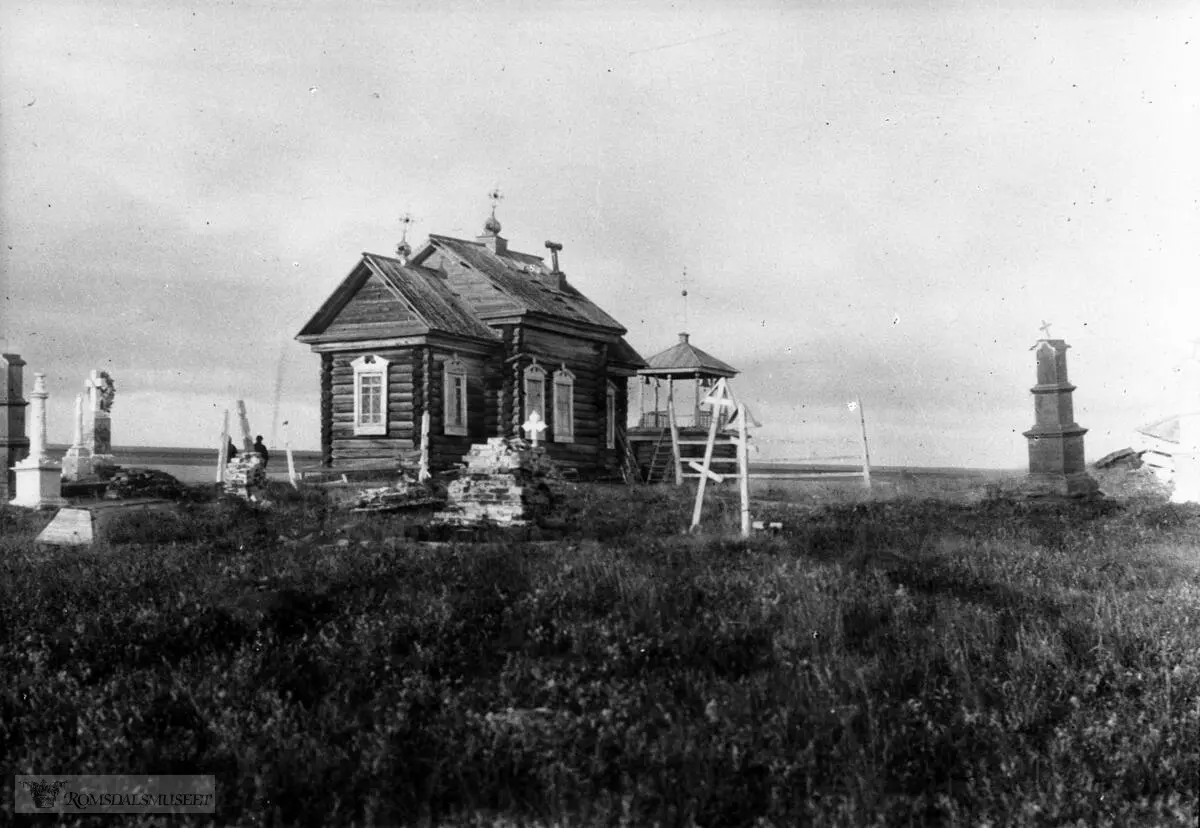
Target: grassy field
[946, 659]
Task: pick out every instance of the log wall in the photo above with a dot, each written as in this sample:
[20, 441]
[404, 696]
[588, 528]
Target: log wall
[347, 449]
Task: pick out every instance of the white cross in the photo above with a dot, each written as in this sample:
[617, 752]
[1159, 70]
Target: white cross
[534, 427]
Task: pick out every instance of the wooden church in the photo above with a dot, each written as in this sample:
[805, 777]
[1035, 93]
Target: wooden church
[478, 336]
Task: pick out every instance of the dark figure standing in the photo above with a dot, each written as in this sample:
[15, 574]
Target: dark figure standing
[261, 450]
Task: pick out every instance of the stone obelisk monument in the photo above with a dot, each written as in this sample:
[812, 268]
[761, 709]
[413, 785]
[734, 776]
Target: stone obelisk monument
[14, 444]
[39, 479]
[77, 462]
[1056, 458]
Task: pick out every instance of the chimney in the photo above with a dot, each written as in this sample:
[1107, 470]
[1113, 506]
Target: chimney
[683, 339]
[554, 247]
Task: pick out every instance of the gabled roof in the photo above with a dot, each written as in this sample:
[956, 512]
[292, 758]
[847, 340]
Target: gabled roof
[429, 295]
[524, 281]
[424, 293]
[685, 359]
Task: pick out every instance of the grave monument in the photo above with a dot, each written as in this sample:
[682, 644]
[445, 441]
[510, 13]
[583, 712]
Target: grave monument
[97, 423]
[1056, 457]
[38, 478]
[14, 444]
[77, 462]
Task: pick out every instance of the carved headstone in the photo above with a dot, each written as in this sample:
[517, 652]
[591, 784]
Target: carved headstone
[1056, 457]
[97, 423]
[14, 443]
[38, 478]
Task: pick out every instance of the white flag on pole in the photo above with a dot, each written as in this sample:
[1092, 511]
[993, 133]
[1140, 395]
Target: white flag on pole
[852, 405]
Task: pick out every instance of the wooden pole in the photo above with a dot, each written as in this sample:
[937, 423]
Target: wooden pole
[287, 447]
[223, 452]
[674, 433]
[862, 419]
[743, 468]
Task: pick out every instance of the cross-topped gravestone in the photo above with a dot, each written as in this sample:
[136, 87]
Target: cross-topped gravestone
[534, 427]
[1056, 458]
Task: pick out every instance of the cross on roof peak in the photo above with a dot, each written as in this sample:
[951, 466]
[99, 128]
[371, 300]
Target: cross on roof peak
[1045, 329]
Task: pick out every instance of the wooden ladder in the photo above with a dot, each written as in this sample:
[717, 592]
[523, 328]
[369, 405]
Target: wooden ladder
[661, 460]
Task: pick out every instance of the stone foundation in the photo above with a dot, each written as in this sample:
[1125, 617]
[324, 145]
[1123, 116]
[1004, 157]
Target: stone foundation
[507, 482]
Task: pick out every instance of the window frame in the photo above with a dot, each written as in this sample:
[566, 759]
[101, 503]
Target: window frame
[370, 366]
[534, 373]
[452, 369]
[564, 383]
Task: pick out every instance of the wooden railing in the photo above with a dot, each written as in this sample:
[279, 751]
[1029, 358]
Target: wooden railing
[662, 419]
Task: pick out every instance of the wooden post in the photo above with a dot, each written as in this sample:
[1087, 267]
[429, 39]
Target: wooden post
[287, 447]
[674, 432]
[223, 452]
[247, 443]
[743, 468]
[862, 419]
[423, 470]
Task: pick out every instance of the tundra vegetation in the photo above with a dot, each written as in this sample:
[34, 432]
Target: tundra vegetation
[915, 660]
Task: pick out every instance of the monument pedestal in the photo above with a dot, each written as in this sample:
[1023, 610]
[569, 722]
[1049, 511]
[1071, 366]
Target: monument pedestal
[38, 478]
[39, 485]
[77, 463]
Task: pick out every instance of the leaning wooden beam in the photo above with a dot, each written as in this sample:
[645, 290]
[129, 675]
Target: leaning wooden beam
[247, 443]
[705, 470]
[866, 454]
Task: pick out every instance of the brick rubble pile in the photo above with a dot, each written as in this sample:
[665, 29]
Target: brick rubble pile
[507, 482]
[244, 475]
[135, 482]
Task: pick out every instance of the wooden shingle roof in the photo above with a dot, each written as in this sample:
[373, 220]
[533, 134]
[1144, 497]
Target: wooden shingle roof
[521, 278]
[685, 360]
[422, 302]
[429, 295]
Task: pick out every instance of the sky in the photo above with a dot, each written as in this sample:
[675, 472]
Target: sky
[881, 201]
